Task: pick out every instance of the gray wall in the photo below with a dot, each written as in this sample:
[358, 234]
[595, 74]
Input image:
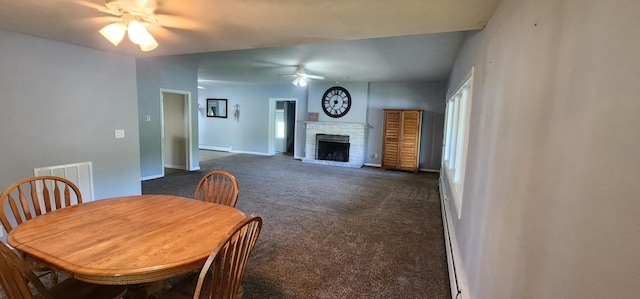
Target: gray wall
[429, 96]
[551, 207]
[61, 104]
[250, 133]
[359, 100]
[154, 74]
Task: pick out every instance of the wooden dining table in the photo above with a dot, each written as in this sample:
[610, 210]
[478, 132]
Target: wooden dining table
[130, 240]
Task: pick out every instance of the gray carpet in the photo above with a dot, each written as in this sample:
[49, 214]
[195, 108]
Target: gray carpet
[333, 232]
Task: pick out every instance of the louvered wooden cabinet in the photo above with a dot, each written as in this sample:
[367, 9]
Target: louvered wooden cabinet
[401, 139]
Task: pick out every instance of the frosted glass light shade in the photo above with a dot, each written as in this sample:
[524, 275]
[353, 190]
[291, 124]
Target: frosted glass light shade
[138, 34]
[299, 81]
[152, 44]
[114, 32]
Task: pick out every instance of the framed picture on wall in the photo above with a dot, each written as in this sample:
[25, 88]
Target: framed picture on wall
[217, 108]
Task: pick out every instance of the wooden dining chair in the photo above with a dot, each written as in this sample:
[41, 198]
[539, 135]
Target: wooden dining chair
[221, 274]
[18, 282]
[34, 196]
[218, 186]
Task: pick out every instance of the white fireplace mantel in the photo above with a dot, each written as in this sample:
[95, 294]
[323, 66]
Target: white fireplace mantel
[357, 133]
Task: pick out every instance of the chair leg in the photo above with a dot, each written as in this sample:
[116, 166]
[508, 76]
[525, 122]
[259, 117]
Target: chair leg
[240, 292]
[54, 278]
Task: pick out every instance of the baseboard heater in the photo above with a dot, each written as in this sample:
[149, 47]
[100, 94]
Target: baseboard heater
[456, 274]
[80, 174]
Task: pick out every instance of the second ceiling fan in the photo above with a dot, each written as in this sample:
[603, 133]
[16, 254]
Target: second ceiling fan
[300, 77]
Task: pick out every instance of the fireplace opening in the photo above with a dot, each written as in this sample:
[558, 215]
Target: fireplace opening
[332, 147]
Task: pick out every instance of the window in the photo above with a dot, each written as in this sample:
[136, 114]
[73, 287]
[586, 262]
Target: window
[456, 136]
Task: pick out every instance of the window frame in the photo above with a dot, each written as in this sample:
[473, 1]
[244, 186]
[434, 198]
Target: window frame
[456, 140]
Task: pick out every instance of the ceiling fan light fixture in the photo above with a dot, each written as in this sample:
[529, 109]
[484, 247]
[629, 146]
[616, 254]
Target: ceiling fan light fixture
[137, 33]
[150, 45]
[133, 18]
[299, 81]
[114, 32]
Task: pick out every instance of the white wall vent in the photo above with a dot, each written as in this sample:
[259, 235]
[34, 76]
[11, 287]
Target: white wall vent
[80, 174]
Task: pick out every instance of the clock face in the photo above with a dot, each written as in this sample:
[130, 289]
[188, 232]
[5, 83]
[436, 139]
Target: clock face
[336, 102]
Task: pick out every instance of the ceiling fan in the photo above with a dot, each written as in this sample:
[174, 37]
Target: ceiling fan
[132, 17]
[300, 77]
[135, 16]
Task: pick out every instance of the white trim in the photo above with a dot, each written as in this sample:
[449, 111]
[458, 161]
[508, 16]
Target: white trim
[457, 276]
[451, 192]
[179, 167]
[464, 80]
[151, 177]
[252, 153]
[420, 169]
[189, 121]
[271, 133]
[456, 140]
[215, 148]
[271, 146]
[188, 126]
[161, 133]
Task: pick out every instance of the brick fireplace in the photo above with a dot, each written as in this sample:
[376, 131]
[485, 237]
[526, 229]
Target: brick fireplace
[355, 134]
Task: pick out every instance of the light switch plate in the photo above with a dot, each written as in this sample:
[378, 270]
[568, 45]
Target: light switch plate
[119, 133]
[147, 118]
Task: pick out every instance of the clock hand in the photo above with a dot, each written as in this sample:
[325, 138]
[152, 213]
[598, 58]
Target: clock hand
[335, 102]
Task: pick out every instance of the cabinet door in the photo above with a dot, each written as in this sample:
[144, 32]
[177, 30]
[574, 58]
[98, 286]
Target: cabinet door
[391, 139]
[410, 140]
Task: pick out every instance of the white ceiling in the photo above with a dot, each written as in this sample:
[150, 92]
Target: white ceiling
[256, 40]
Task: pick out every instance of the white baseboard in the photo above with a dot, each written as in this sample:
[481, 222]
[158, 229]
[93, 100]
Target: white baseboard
[151, 177]
[215, 148]
[251, 153]
[179, 167]
[421, 169]
[457, 277]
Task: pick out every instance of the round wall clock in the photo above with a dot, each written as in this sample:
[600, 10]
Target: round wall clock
[336, 102]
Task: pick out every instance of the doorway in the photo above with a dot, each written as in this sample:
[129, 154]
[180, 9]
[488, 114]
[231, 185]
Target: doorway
[175, 139]
[285, 127]
[282, 125]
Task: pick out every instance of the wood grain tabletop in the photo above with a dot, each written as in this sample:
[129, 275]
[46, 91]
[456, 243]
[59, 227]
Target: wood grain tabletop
[126, 240]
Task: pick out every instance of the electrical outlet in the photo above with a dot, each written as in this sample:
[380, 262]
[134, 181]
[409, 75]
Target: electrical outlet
[119, 133]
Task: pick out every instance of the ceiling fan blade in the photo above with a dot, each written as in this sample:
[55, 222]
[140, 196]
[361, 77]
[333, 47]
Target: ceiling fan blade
[288, 75]
[177, 22]
[109, 11]
[315, 77]
[95, 6]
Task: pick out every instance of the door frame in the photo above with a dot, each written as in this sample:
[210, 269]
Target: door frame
[188, 126]
[271, 148]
